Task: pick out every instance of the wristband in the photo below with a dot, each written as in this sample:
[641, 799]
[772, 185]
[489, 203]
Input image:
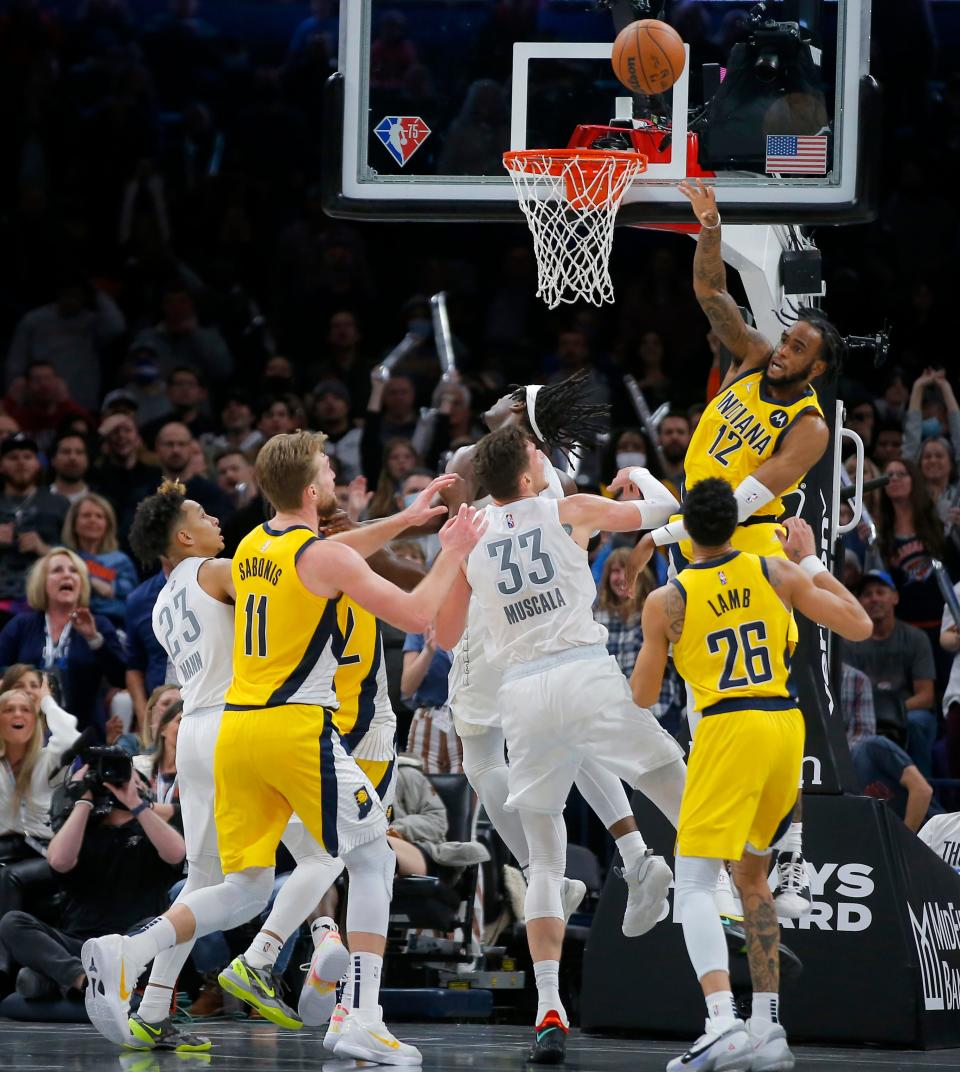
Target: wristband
[707, 227]
[811, 565]
[672, 533]
[141, 807]
[638, 474]
[96, 643]
[89, 803]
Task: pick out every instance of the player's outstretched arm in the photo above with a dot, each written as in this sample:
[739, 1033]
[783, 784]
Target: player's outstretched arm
[805, 584]
[327, 568]
[369, 538]
[216, 579]
[662, 622]
[452, 616]
[748, 347]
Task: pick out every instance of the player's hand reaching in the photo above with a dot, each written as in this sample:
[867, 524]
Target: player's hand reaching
[639, 558]
[420, 511]
[796, 539]
[338, 521]
[622, 483]
[462, 533]
[703, 200]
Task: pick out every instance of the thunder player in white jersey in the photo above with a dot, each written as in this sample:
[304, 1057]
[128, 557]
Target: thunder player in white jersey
[562, 698]
[559, 417]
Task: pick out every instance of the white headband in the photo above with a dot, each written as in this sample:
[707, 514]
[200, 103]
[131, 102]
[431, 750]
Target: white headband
[532, 391]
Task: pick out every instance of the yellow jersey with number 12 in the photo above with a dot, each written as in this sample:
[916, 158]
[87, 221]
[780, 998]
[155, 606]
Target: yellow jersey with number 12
[361, 681]
[734, 649]
[284, 634]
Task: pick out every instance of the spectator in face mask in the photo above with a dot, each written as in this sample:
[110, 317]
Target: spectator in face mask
[410, 487]
[932, 411]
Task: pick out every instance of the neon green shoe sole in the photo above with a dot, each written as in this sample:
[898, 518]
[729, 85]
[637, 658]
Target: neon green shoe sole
[255, 988]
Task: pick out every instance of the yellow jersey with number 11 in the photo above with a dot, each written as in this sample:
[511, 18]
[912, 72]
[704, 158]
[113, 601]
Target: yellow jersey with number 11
[283, 633]
[734, 649]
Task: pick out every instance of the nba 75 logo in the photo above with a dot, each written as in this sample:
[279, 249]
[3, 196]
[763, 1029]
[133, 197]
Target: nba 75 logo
[937, 934]
[402, 135]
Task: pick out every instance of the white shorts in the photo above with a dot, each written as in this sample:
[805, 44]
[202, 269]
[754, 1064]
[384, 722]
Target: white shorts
[472, 692]
[569, 709]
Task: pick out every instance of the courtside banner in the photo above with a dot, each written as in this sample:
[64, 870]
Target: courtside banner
[880, 949]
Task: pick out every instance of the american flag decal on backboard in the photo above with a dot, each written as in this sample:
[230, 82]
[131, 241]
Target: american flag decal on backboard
[796, 154]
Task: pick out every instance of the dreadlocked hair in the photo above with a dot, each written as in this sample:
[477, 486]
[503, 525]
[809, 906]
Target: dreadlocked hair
[153, 523]
[567, 421]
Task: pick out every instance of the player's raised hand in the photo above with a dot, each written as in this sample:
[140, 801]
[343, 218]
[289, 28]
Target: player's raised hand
[420, 511]
[637, 562]
[796, 539]
[622, 483]
[462, 533]
[703, 200]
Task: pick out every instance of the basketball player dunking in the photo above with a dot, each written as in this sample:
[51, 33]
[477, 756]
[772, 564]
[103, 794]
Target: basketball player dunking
[761, 433]
[728, 617]
[559, 418]
[563, 700]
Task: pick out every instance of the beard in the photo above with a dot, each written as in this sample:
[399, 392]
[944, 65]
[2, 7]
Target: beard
[789, 379]
[326, 504]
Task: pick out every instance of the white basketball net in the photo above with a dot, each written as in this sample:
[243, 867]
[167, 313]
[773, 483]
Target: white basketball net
[571, 205]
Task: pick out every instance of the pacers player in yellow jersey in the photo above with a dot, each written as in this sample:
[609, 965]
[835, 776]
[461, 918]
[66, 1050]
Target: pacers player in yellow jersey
[761, 433]
[278, 751]
[728, 617]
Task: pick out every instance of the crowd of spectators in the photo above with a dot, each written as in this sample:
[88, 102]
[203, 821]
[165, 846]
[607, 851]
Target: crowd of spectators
[172, 295]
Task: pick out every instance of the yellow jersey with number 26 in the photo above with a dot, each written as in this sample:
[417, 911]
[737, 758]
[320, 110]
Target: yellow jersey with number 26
[284, 634]
[734, 648]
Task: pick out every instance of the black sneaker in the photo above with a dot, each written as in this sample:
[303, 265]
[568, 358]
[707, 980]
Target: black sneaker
[792, 898]
[549, 1041]
[35, 986]
[164, 1036]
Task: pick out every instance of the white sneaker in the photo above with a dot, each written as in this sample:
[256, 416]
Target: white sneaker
[572, 892]
[721, 1048]
[647, 886]
[769, 1044]
[332, 1036]
[726, 899]
[365, 1037]
[111, 978]
[327, 965]
[792, 898]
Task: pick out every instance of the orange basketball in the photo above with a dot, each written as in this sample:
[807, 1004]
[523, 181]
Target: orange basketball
[648, 56]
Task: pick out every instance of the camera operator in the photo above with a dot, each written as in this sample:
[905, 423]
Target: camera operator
[118, 856]
[26, 764]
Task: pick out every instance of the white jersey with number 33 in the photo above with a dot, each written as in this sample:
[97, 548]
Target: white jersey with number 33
[533, 584]
[196, 631]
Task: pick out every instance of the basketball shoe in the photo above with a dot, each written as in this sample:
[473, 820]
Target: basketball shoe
[723, 1047]
[768, 1042]
[258, 989]
[791, 897]
[647, 886]
[326, 968]
[549, 1041]
[165, 1035]
[332, 1036]
[365, 1037]
[111, 977]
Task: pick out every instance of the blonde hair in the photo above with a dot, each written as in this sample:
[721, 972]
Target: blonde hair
[607, 599]
[286, 467]
[40, 570]
[34, 748]
[69, 534]
[146, 730]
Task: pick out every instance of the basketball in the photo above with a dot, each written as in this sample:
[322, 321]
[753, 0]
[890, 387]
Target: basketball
[648, 56]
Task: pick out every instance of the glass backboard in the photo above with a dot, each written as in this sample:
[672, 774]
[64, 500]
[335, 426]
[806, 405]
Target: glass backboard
[775, 104]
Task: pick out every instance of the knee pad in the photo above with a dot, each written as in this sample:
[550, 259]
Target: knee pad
[247, 893]
[482, 755]
[693, 876]
[202, 872]
[546, 839]
[371, 868]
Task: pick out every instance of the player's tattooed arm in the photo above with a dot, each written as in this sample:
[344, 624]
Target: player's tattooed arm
[647, 677]
[676, 610]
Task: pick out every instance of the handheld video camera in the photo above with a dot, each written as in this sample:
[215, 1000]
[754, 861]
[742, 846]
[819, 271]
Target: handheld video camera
[106, 764]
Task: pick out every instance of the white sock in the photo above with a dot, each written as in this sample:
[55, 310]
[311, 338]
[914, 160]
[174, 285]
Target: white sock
[263, 950]
[720, 1006]
[792, 840]
[547, 975]
[766, 1007]
[156, 1003]
[365, 972]
[632, 847]
[319, 927]
[152, 939]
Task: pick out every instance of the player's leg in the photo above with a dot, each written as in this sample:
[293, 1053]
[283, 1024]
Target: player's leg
[792, 896]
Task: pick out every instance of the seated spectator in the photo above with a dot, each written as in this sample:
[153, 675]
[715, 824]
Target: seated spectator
[344, 360]
[179, 341]
[411, 486]
[932, 411]
[432, 738]
[160, 767]
[116, 871]
[938, 467]
[897, 658]
[941, 833]
[144, 386]
[31, 520]
[856, 705]
[279, 415]
[950, 643]
[896, 394]
[42, 404]
[8, 426]
[887, 442]
[188, 398]
[862, 419]
[886, 772]
[80, 650]
[399, 460]
[236, 478]
[391, 414]
[674, 435]
[449, 422]
[91, 530]
[910, 536]
[25, 789]
[175, 451]
[121, 476]
[147, 664]
[143, 741]
[330, 414]
[69, 463]
[236, 419]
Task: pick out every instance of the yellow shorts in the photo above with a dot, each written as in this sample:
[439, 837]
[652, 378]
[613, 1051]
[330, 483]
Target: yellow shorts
[742, 782]
[272, 762]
